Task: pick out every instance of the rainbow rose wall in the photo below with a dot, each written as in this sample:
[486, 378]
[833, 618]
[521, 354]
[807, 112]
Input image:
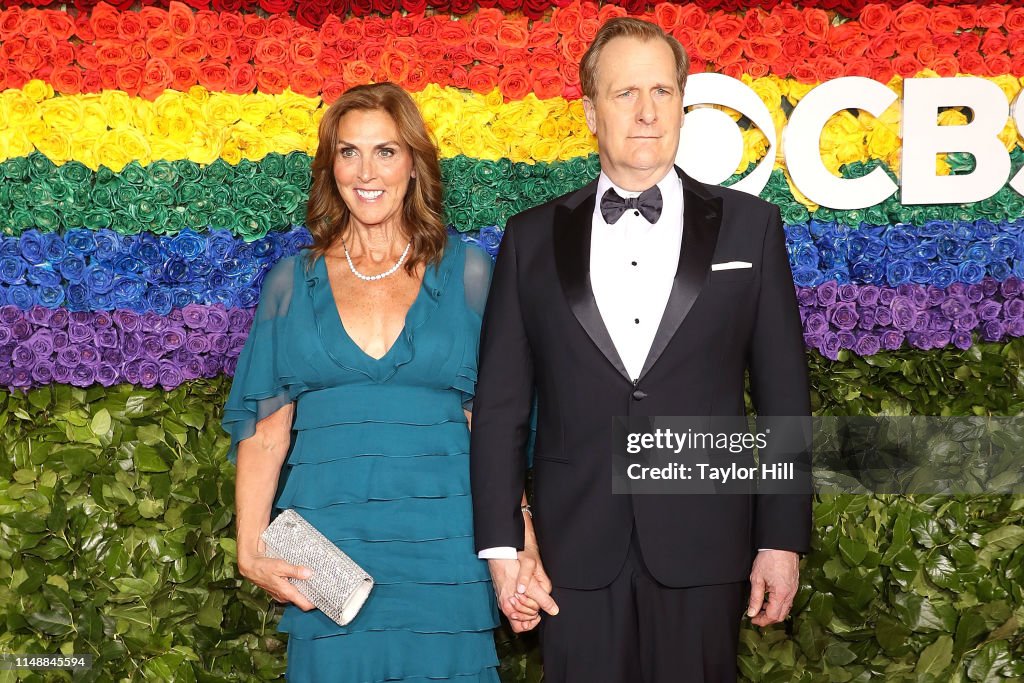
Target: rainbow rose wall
[155, 163]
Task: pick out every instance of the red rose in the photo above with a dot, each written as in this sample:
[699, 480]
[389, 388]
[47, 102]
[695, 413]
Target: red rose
[428, 28]
[709, 45]
[731, 53]
[972, 63]
[64, 54]
[276, 7]
[312, 14]
[108, 76]
[184, 76]
[998, 65]
[59, 25]
[332, 90]
[794, 47]
[609, 12]
[875, 19]
[911, 40]
[483, 78]
[633, 7]
[792, 19]
[484, 48]
[271, 79]
[1015, 41]
[330, 30]
[946, 66]
[305, 49]
[453, 34]
[858, 67]
[804, 73]
[587, 29]
[192, 50]
[762, 49]
[283, 28]
[513, 33]
[946, 44]
[402, 26]
[232, 24]
[418, 77]
[546, 58]
[156, 77]
[207, 21]
[944, 20]
[1014, 20]
[735, 69]
[358, 73]
[544, 35]
[85, 55]
[458, 78]
[67, 80]
[110, 52]
[509, 5]
[668, 16]
[245, 49]
[1018, 64]
[270, 51]
[104, 20]
[215, 77]
[968, 16]
[753, 21]
[727, 26]
[816, 25]
[12, 48]
[255, 27]
[16, 78]
[461, 6]
[152, 18]
[183, 22]
[10, 22]
[519, 57]
[221, 46]
[828, 68]
[906, 65]
[91, 82]
[514, 83]
[83, 28]
[573, 48]
[129, 78]
[910, 17]
[693, 17]
[547, 83]
[431, 52]
[881, 71]
[386, 6]
[416, 7]
[242, 79]
[440, 73]
[486, 22]
[993, 43]
[992, 16]
[970, 42]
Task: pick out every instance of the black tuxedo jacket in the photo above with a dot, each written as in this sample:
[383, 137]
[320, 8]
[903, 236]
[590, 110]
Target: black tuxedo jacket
[542, 330]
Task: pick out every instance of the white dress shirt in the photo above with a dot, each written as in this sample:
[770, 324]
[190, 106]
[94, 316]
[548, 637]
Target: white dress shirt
[632, 265]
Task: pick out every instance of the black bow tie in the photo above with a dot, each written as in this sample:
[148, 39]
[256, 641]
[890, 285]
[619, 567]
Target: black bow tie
[648, 203]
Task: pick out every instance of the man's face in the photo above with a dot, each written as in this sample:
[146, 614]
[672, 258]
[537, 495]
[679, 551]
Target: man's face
[637, 111]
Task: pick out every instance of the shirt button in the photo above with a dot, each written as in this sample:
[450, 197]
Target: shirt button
[633, 262]
[636, 213]
[636, 320]
[639, 395]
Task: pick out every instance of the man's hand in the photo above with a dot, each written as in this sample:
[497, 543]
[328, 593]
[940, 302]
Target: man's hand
[777, 573]
[523, 589]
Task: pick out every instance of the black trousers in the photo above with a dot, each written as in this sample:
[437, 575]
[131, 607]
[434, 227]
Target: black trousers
[636, 630]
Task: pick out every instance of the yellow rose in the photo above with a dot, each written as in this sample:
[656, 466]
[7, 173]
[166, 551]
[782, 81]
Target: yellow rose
[494, 98]
[167, 149]
[118, 108]
[63, 113]
[1008, 84]
[114, 149]
[941, 166]
[493, 148]
[205, 145]
[198, 94]
[94, 114]
[882, 141]
[796, 91]
[256, 107]
[755, 146]
[54, 143]
[297, 119]
[37, 90]
[232, 151]
[952, 117]
[769, 92]
[798, 195]
[577, 147]
[284, 142]
[19, 108]
[545, 150]
[1009, 135]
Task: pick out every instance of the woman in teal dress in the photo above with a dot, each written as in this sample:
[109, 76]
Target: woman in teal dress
[353, 390]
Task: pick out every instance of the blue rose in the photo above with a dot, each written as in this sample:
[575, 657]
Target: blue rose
[80, 241]
[490, 238]
[78, 296]
[934, 228]
[943, 275]
[50, 296]
[103, 301]
[176, 269]
[146, 248]
[840, 276]
[158, 300]
[805, 255]
[3, 300]
[970, 272]
[831, 258]
[72, 268]
[295, 240]
[920, 272]
[199, 268]
[219, 244]
[898, 240]
[1004, 247]
[180, 297]
[898, 272]
[248, 297]
[1000, 270]
[867, 273]
[265, 248]
[54, 248]
[33, 247]
[806, 277]
[797, 233]
[925, 250]
[217, 280]
[9, 246]
[950, 249]
[98, 279]
[108, 244]
[223, 295]
[984, 229]
[125, 264]
[43, 275]
[979, 252]
[187, 244]
[964, 231]
[818, 228]
[21, 296]
[12, 269]
[128, 288]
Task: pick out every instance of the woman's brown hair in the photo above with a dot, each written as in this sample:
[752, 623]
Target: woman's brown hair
[327, 215]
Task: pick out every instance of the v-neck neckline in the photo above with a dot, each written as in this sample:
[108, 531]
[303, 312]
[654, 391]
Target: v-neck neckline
[344, 333]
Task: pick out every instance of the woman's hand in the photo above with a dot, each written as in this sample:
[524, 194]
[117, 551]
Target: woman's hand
[272, 576]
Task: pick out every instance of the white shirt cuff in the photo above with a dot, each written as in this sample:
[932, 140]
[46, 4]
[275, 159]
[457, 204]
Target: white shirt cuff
[500, 553]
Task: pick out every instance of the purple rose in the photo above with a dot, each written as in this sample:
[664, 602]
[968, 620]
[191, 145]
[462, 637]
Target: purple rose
[176, 317]
[106, 338]
[6, 352]
[1010, 287]
[79, 333]
[219, 344]
[883, 317]
[172, 338]
[236, 342]
[240, 319]
[23, 355]
[989, 287]
[21, 330]
[844, 316]
[153, 322]
[962, 340]
[919, 340]
[5, 335]
[40, 316]
[41, 343]
[805, 296]
[993, 330]
[181, 356]
[128, 321]
[848, 292]
[866, 315]
[42, 372]
[892, 340]
[953, 307]
[941, 339]
[101, 320]
[21, 378]
[170, 375]
[935, 295]
[211, 367]
[152, 347]
[60, 339]
[89, 355]
[112, 356]
[106, 374]
[217, 321]
[132, 371]
[939, 323]
[966, 322]
[6, 377]
[922, 324]
[195, 316]
[830, 345]
[193, 369]
[81, 317]
[886, 296]
[988, 310]
[69, 356]
[1012, 309]
[867, 345]
[10, 314]
[229, 365]
[957, 289]
[975, 293]
[59, 318]
[149, 373]
[867, 295]
[827, 292]
[1015, 327]
[847, 339]
[904, 314]
[816, 323]
[131, 346]
[83, 376]
[62, 373]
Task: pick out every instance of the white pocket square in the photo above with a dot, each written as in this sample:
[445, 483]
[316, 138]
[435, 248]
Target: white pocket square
[730, 265]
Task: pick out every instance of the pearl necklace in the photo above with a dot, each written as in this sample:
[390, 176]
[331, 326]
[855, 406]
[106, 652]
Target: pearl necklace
[379, 276]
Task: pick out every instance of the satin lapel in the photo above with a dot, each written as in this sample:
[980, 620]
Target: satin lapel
[702, 217]
[572, 261]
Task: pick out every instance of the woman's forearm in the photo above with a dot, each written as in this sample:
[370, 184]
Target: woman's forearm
[260, 459]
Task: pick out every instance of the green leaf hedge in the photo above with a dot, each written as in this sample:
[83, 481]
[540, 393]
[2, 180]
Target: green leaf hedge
[116, 525]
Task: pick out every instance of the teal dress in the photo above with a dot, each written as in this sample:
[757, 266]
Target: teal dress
[379, 463]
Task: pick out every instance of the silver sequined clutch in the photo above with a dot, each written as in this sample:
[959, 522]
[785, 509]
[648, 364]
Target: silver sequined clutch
[338, 586]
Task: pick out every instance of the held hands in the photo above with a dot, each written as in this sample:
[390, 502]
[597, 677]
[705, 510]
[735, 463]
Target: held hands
[777, 573]
[272, 576]
[523, 589]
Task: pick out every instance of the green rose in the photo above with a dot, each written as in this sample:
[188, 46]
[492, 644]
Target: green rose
[96, 218]
[104, 176]
[277, 219]
[250, 225]
[45, 218]
[188, 192]
[74, 173]
[795, 213]
[462, 218]
[487, 215]
[123, 224]
[162, 193]
[875, 215]
[522, 170]
[22, 218]
[15, 169]
[484, 173]
[220, 195]
[298, 170]
[260, 185]
[272, 165]
[455, 196]
[162, 172]
[223, 218]
[289, 198]
[148, 213]
[246, 168]
[188, 172]
[125, 195]
[5, 195]
[259, 204]
[219, 172]
[72, 216]
[133, 174]
[175, 221]
[40, 167]
[38, 192]
[203, 210]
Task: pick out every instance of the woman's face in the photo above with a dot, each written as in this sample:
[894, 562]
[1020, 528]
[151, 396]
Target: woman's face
[372, 167]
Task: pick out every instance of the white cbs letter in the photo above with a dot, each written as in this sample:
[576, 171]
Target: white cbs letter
[1017, 111]
[711, 145]
[801, 142]
[923, 138]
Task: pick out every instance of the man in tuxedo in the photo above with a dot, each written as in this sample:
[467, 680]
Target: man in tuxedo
[613, 301]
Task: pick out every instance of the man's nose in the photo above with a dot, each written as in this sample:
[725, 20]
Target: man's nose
[645, 110]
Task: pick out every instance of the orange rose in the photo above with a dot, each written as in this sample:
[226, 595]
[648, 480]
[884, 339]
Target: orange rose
[667, 16]
[59, 25]
[693, 17]
[728, 26]
[486, 21]
[374, 28]
[757, 69]
[91, 82]
[32, 24]
[518, 58]
[454, 33]
[513, 33]
[333, 89]
[1015, 20]
[85, 55]
[484, 48]
[270, 51]
[514, 83]
[255, 27]
[330, 63]
[970, 42]
[992, 16]
[483, 78]
[708, 45]
[906, 65]
[418, 77]
[794, 48]
[926, 54]
[15, 78]
[104, 20]
[184, 76]
[731, 53]
[153, 18]
[772, 26]
[853, 50]
[610, 12]
[352, 30]
[943, 20]
[429, 27]
[910, 17]
[221, 45]
[946, 44]
[283, 28]
[547, 83]
[246, 48]
[43, 46]
[839, 35]
[330, 30]
[108, 76]
[30, 62]
[566, 19]
[458, 78]
[110, 52]
[459, 55]
[242, 80]
[401, 26]
[544, 35]
[394, 65]
[587, 29]
[875, 19]
[67, 80]
[83, 28]
[816, 24]
[762, 49]
[946, 66]
[431, 52]
[858, 67]
[804, 73]
[156, 77]
[1018, 64]
[271, 79]
[137, 51]
[207, 21]
[828, 68]
[183, 22]
[697, 65]
[1016, 42]
[306, 49]
[129, 78]
[909, 42]
[545, 58]
[215, 77]
[440, 73]
[972, 63]
[998, 65]
[306, 81]
[571, 76]
[192, 50]
[573, 48]
[358, 73]
[735, 69]
[993, 43]
[64, 54]
[968, 16]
